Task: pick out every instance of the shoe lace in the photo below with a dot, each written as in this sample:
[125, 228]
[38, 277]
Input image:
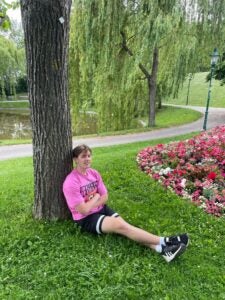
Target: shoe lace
[168, 253]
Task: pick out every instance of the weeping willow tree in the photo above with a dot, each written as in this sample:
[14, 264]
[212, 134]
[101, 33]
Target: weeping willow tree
[122, 52]
[11, 65]
[4, 19]
[212, 21]
[12, 58]
[158, 28]
[93, 65]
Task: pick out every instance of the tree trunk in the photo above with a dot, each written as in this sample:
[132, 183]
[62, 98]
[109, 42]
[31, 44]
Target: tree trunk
[159, 100]
[151, 79]
[152, 88]
[46, 29]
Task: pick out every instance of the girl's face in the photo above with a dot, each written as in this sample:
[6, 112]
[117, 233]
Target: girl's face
[83, 161]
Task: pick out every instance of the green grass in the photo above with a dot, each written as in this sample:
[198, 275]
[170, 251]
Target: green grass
[199, 92]
[166, 117]
[174, 117]
[14, 104]
[15, 142]
[54, 260]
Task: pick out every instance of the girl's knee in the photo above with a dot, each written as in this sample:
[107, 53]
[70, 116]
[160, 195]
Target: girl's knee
[112, 224]
[120, 225]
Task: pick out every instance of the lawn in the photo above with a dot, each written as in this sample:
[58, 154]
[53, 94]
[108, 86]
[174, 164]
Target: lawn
[14, 104]
[53, 260]
[199, 92]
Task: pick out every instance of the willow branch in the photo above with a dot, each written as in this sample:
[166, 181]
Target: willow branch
[143, 69]
[125, 47]
[124, 44]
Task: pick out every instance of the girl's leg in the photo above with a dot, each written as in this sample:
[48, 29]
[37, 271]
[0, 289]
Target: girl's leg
[120, 226]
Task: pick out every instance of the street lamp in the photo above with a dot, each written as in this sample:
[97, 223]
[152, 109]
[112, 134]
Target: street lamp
[214, 59]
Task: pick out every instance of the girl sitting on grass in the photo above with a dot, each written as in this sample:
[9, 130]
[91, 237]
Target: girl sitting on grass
[86, 197]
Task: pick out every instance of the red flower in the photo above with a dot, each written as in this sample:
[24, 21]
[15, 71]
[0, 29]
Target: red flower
[211, 175]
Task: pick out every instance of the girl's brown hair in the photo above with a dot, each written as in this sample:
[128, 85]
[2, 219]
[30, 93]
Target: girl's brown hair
[79, 149]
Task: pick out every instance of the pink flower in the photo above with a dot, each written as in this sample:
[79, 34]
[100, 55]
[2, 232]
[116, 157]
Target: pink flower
[196, 168]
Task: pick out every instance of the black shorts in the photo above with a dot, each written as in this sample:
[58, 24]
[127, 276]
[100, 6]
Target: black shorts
[93, 222]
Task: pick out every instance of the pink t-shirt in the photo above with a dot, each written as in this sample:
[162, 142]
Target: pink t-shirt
[78, 187]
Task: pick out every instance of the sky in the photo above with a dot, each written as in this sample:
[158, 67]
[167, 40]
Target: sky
[14, 13]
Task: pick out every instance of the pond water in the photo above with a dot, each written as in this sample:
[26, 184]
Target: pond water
[15, 124]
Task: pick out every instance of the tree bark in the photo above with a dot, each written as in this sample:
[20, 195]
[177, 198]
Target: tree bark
[46, 29]
[152, 84]
[151, 79]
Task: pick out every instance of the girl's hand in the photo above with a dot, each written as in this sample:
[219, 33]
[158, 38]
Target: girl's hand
[94, 195]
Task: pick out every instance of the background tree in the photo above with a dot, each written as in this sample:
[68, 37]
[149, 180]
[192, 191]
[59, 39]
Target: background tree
[10, 57]
[156, 26]
[120, 96]
[4, 19]
[17, 36]
[210, 29]
[10, 67]
[46, 29]
[181, 31]
[220, 71]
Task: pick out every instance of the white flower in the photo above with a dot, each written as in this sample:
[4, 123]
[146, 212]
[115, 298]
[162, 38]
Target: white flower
[183, 183]
[165, 171]
[203, 205]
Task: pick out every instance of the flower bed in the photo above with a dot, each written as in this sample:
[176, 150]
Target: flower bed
[193, 169]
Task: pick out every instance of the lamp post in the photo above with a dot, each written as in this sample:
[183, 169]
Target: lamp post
[189, 82]
[214, 59]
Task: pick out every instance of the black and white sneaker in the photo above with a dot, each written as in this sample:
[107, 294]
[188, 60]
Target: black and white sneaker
[173, 251]
[177, 239]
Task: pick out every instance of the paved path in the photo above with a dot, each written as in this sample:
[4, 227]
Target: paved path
[216, 117]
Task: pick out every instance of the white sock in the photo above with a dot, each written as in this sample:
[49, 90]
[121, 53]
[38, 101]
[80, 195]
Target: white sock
[158, 248]
[162, 241]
